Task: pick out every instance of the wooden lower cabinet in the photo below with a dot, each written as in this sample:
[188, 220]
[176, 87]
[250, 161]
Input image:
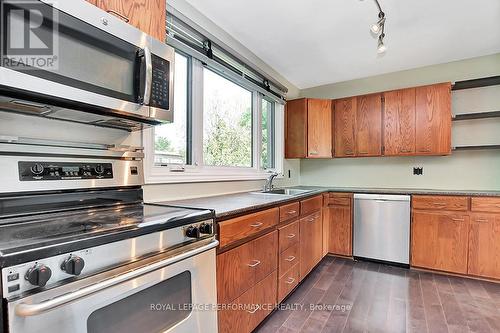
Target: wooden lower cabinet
[439, 241]
[340, 230]
[484, 245]
[311, 242]
[246, 312]
[240, 268]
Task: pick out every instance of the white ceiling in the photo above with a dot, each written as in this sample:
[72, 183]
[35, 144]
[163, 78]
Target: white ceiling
[315, 42]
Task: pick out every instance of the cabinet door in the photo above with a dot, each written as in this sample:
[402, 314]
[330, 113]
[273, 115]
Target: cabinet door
[311, 242]
[433, 120]
[399, 122]
[265, 251]
[484, 245]
[296, 129]
[146, 15]
[319, 128]
[344, 123]
[440, 241]
[340, 230]
[235, 273]
[369, 125]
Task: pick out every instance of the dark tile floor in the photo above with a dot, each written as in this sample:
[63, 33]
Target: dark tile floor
[350, 296]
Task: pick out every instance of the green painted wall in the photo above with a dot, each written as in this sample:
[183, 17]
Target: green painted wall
[476, 170]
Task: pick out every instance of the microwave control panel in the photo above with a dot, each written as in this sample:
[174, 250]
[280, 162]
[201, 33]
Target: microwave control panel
[33, 171]
[160, 83]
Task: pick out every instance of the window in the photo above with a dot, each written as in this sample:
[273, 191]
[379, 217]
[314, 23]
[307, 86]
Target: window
[222, 129]
[171, 140]
[267, 151]
[227, 122]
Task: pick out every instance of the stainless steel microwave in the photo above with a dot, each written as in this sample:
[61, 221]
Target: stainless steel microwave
[73, 61]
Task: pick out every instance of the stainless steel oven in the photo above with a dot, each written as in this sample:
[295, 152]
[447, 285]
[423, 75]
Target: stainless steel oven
[103, 71]
[168, 293]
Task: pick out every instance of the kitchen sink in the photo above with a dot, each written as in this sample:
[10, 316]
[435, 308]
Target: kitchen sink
[284, 191]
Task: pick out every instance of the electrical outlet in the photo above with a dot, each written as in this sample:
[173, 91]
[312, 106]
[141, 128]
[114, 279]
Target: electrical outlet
[418, 171]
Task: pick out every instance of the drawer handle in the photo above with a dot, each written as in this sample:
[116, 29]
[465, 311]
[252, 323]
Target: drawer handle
[290, 236]
[481, 220]
[439, 203]
[290, 258]
[312, 219]
[256, 225]
[253, 311]
[290, 280]
[291, 212]
[255, 264]
[120, 16]
[313, 152]
[458, 220]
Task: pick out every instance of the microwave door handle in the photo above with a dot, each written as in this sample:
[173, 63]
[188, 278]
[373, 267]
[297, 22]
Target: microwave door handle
[148, 78]
[27, 310]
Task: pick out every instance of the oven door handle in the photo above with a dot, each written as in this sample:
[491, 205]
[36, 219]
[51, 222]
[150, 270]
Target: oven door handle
[27, 310]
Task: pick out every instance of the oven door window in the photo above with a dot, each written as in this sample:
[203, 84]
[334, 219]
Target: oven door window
[152, 310]
[87, 58]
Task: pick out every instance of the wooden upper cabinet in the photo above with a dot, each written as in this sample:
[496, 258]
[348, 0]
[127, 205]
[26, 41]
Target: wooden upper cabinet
[319, 128]
[146, 15]
[369, 125]
[345, 123]
[399, 122]
[433, 119]
[308, 128]
[296, 129]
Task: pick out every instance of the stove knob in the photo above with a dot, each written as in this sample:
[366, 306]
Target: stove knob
[37, 169]
[206, 228]
[73, 265]
[38, 275]
[193, 232]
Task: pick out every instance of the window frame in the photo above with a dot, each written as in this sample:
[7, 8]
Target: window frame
[196, 171]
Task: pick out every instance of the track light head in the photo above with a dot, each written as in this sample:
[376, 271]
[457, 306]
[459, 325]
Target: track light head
[381, 48]
[377, 27]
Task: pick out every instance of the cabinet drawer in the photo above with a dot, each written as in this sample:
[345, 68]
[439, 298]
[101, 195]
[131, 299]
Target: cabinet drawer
[245, 226]
[289, 258]
[288, 235]
[310, 205]
[287, 282]
[247, 311]
[440, 202]
[491, 205]
[240, 268]
[288, 212]
[339, 199]
[234, 273]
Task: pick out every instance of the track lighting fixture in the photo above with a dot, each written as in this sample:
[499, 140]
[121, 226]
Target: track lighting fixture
[381, 48]
[378, 29]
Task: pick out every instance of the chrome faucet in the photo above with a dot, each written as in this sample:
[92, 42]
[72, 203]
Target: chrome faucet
[269, 182]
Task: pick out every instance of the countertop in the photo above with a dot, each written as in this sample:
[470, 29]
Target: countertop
[230, 205]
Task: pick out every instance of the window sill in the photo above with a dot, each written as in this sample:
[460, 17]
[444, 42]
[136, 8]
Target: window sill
[202, 177]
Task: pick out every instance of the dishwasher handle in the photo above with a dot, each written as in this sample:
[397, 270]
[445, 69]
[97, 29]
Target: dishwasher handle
[382, 197]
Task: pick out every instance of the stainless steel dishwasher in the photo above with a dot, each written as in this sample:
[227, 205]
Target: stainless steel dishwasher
[382, 227]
